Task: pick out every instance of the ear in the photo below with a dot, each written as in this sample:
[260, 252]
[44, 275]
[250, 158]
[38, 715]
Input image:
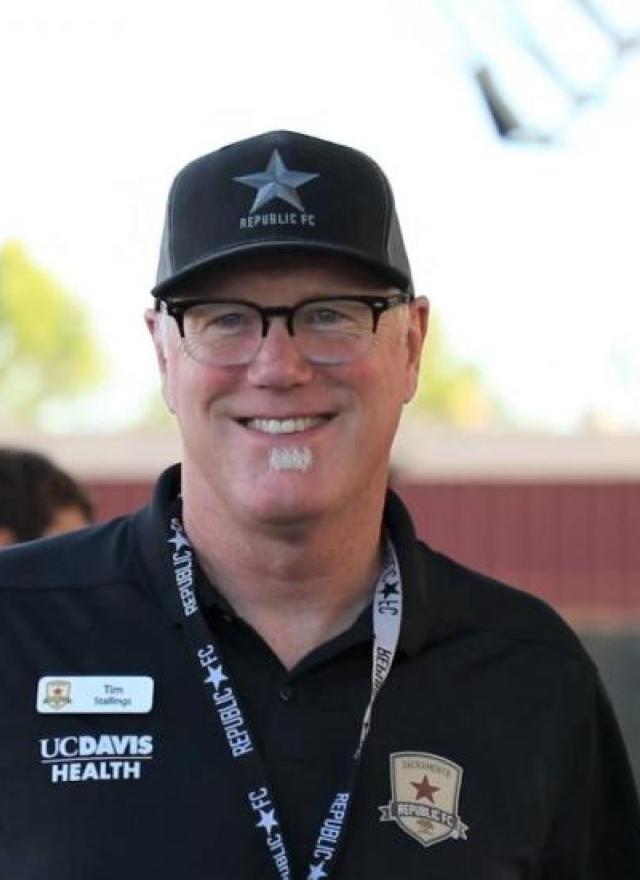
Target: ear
[153, 321]
[416, 335]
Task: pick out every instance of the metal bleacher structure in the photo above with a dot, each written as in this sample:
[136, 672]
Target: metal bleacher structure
[539, 65]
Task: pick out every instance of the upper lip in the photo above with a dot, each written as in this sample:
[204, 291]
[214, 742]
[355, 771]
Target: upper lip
[284, 416]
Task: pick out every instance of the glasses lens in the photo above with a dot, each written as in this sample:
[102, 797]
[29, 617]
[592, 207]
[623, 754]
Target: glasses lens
[222, 333]
[333, 331]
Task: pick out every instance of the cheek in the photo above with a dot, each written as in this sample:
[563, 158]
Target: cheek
[410, 384]
[382, 380]
[400, 376]
[191, 387]
[377, 395]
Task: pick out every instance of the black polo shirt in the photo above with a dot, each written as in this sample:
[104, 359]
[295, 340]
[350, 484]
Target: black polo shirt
[493, 753]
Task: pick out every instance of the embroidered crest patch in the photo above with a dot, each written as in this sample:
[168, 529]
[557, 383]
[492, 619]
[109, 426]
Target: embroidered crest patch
[425, 790]
[58, 694]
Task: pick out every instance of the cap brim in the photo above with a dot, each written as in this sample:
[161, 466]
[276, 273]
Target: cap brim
[398, 279]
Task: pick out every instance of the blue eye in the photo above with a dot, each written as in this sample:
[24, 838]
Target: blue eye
[220, 319]
[230, 320]
[324, 316]
[335, 316]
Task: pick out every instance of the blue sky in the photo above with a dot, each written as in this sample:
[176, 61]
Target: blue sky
[528, 253]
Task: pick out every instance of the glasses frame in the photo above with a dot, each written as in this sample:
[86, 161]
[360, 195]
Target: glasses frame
[378, 305]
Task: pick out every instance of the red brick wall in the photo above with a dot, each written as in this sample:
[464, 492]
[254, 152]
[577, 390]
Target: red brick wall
[575, 544]
[115, 497]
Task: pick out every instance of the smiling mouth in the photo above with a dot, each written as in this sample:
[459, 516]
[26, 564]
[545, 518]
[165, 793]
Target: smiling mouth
[285, 426]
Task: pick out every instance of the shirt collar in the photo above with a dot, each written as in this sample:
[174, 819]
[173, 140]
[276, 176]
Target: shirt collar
[416, 562]
[151, 536]
[416, 568]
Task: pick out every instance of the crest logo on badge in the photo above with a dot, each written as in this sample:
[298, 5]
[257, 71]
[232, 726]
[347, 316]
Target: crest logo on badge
[425, 790]
[58, 694]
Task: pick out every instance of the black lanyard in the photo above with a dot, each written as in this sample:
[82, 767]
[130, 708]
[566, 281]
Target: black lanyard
[387, 617]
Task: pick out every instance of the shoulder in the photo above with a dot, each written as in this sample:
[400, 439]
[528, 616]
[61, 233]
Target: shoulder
[471, 601]
[89, 557]
[448, 601]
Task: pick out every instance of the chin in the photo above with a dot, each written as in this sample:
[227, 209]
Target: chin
[289, 499]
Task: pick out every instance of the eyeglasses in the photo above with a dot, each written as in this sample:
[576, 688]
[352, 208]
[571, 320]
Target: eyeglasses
[329, 330]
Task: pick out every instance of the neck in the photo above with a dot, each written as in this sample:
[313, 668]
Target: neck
[297, 587]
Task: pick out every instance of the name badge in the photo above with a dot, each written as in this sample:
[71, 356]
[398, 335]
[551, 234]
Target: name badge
[94, 694]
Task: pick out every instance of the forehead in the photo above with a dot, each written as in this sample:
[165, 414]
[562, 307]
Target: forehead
[270, 274]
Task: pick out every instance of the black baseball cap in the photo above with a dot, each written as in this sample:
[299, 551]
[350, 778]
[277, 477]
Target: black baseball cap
[280, 191]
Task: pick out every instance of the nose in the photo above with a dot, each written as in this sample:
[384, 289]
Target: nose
[278, 363]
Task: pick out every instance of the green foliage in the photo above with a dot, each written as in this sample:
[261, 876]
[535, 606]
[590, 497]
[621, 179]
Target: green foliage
[46, 348]
[452, 392]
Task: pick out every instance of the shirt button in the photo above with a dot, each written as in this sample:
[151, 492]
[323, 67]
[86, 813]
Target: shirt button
[286, 693]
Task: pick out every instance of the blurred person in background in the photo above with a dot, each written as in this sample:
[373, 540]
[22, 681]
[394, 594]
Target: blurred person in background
[264, 674]
[37, 498]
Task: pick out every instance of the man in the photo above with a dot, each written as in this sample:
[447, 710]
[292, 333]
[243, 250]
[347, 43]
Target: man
[38, 499]
[264, 673]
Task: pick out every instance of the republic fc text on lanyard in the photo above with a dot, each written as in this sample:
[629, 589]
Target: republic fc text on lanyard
[387, 617]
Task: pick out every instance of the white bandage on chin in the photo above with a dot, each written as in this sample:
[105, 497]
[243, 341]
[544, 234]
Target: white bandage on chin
[290, 458]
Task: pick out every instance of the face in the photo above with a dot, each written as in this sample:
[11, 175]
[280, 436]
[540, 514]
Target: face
[66, 519]
[281, 440]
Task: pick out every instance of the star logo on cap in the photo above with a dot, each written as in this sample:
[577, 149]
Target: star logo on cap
[276, 182]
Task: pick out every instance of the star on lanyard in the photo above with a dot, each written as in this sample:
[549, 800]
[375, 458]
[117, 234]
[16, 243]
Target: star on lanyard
[215, 677]
[179, 541]
[267, 820]
[390, 589]
[316, 872]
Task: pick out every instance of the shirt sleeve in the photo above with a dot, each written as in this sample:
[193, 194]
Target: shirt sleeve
[595, 830]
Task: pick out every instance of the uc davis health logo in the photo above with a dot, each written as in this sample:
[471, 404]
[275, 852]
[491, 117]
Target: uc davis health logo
[425, 790]
[103, 758]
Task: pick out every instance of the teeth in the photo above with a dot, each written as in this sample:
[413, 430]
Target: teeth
[283, 426]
